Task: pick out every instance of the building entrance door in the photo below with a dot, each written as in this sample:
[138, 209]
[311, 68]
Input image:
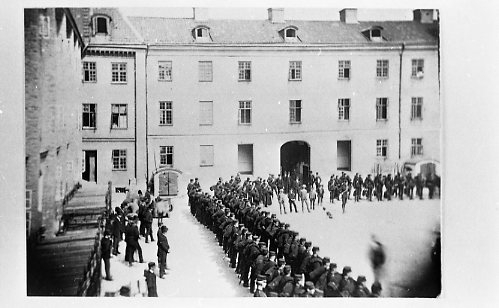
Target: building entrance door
[168, 183]
[90, 164]
[344, 155]
[295, 159]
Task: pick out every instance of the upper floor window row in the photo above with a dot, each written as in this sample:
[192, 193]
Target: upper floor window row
[118, 72]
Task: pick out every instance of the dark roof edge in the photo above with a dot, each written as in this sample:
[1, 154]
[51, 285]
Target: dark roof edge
[69, 15]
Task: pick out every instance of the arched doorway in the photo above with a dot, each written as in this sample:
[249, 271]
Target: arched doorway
[165, 182]
[295, 159]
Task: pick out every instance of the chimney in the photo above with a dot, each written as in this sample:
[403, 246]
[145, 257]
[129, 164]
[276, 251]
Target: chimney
[200, 13]
[349, 16]
[276, 15]
[424, 16]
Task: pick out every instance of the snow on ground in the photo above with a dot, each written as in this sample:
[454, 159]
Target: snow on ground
[197, 267]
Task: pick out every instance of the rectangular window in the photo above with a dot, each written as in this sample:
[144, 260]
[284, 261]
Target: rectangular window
[165, 70]
[244, 71]
[165, 113]
[294, 70]
[295, 111]
[416, 146]
[381, 108]
[88, 116]
[206, 155]
[166, 156]
[382, 68]
[245, 158]
[417, 68]
[245, 112]
[44, 26]
[382, 148]
[343, 109]
[119, 159]
[28, 198]
[28, 223]
[416, 108]
[343, 69]
[119, 117]
[89, 72]
[118, 72]
[205, 71]
[206, 113]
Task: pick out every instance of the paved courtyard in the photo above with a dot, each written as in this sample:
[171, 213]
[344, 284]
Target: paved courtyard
[198, 269]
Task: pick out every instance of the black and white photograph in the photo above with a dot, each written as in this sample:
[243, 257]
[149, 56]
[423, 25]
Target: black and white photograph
[226, 152]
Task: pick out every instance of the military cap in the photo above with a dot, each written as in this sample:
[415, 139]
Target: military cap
[315, 248]
[308, 244]
[287, 269]
[274, 216]
[326, 260]
[309, 285]
[261, 277]
[286, 226]
[333, 266]
[272, 253]
[376, 287]
[361, 279]
[248, 234]
[196, 179]
[281, 260]
[297, 276]
[255, 237]
[346, 270]
[303, 239]
[241, 225]
[263, 244]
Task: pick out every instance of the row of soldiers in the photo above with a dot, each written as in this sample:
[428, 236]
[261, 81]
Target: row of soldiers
[382, 186]
[269, 257]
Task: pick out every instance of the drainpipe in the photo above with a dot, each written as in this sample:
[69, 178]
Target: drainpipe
[400, 98]
[135, 109]
[147, 125]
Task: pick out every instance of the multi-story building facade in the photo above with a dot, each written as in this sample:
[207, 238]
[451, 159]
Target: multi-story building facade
[216, 97]
[53, 51]
[113, 106]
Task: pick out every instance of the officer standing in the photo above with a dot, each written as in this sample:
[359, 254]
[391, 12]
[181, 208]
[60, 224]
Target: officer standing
[163, 250]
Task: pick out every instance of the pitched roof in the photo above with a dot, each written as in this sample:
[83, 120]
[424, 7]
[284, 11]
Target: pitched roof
[179, 31]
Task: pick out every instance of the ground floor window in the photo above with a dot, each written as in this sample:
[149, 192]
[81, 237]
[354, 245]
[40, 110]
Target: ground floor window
[206, 155]
[416, 146]
[245, 158]
[119, 159]
[166, 156]
[382, 148]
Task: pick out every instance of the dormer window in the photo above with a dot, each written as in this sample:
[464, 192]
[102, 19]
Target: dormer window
[290, 34]
[101, 24]
[202, 34]
[374, 33]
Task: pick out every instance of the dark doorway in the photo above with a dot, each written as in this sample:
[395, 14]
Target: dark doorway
[168, 184]
[295, 159]
[344, 155]
[90, 163]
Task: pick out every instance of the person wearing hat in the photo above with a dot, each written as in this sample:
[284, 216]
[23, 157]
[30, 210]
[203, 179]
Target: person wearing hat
[377, 257]
[360, 289]
[132, 242]
[304, 198]
[320, 275]
[285, 287]
[298, 286]
[105, 245]
[309, 290]
[304, 250]
[151, 280]
[347, 284]
[292, 200]
[376, 289]
[163, 250]
[260, 285]
[117, 229]
[369, 185]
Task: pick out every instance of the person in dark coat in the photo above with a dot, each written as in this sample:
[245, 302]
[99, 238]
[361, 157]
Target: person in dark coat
[116, 231]
[105, 245]
[151, 280]
[132, 242]
[347, 284]
[163, 250]
[360, 289]
[377, 257]
[148, 225]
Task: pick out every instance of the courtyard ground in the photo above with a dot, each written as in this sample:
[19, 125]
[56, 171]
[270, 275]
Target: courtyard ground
[198, 268]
